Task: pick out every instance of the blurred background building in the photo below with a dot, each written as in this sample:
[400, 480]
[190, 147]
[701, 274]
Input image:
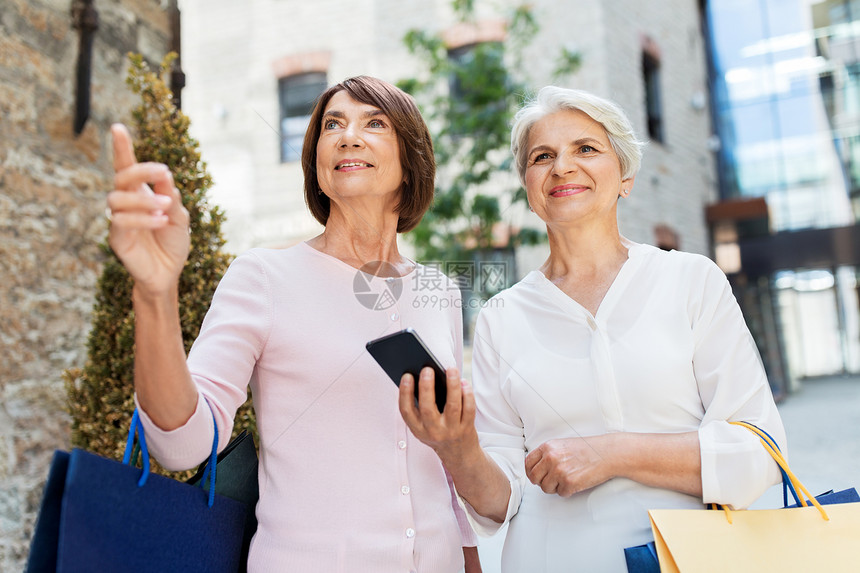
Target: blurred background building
[255, 72]
[785, 97]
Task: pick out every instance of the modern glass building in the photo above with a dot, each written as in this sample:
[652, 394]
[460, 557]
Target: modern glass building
[785, 94]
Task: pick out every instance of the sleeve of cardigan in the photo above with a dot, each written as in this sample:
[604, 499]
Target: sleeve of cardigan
[500, 428]
[733, 386]
[221, 363]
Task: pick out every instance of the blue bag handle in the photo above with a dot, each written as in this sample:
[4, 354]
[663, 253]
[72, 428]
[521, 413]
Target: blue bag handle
[137, 427]
[786, 482]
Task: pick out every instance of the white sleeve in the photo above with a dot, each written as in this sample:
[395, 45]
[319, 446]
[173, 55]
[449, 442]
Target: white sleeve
[499, 426]
[733, 386]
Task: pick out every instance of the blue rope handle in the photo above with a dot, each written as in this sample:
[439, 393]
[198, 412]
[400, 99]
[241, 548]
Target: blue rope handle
[213, 463]
[786, 483]
[137, 426]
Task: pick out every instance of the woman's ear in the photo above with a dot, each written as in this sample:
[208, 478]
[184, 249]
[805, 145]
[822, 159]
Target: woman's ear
[627, 186]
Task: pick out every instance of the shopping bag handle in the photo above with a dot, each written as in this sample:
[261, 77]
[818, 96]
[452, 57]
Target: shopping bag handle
[771, 447]
[786, 482]
[136, 427]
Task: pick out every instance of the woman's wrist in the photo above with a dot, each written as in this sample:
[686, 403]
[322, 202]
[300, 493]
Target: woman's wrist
[144, 297]
[618, 451]
[465, 453]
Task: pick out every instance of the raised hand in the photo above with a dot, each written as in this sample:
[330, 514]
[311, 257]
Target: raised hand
[149, 226]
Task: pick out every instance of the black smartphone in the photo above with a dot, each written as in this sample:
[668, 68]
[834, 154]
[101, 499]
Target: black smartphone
[404, 352]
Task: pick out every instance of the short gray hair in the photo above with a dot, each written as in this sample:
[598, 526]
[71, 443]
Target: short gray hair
[608, 114]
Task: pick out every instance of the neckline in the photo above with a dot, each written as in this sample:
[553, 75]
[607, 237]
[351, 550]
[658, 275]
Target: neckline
[634, 250]
[353, 269]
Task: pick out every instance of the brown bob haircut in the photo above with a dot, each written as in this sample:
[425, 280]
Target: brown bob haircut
[413, 138]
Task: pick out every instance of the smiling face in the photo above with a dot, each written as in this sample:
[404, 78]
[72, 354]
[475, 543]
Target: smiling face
[357, 151]
[572, 172]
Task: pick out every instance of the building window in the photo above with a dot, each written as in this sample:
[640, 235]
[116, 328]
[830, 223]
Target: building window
[461, 59]
[653, 100]
[297, 95]
[467, 97]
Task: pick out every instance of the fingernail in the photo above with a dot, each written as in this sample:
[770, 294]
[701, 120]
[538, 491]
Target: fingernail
[163, 200]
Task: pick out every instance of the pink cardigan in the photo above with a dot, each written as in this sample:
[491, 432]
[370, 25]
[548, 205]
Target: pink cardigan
[344, 486]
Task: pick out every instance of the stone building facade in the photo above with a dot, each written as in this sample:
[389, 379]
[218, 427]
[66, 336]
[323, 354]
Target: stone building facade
[235, 60]
[52, 198]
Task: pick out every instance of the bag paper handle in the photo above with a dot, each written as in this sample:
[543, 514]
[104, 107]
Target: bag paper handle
[771, 447]
[136, 427]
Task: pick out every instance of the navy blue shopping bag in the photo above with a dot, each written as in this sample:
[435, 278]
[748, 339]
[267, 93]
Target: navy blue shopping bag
[101, 515]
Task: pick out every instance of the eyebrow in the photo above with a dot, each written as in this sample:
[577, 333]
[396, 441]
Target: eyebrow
[340, 114]
[575, 143]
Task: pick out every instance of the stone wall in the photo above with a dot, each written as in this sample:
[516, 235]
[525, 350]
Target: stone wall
[52, 190]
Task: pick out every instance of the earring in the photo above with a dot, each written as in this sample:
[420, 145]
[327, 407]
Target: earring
[625, 192]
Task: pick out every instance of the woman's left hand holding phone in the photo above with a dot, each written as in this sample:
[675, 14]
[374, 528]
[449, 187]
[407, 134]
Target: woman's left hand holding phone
[453, 437]
[446, 432]
[149, 225]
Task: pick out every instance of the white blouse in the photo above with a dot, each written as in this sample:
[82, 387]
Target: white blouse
[668, 351]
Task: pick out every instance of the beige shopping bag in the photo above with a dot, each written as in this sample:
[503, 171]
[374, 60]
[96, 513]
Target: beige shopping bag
[792, 539]
[802, 539]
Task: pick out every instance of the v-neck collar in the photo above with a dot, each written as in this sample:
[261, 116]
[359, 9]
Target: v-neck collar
[351, 269]
[612, 296]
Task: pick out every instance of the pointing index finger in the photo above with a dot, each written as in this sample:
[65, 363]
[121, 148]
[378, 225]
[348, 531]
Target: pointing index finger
[123, 150]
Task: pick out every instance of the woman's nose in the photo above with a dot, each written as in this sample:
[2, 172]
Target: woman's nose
[350, 137]
[564, 163]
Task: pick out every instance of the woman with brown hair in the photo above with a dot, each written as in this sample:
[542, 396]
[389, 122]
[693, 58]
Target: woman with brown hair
[344, 486]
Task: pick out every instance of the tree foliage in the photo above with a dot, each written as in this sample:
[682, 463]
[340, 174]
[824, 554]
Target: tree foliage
[469, 98]
[100, 395]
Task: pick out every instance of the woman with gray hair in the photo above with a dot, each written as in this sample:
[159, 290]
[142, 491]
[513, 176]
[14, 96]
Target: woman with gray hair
[605, 382]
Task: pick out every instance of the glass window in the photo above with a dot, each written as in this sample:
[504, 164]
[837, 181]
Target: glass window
[478, 86]
[653, 96]
[297, 95]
